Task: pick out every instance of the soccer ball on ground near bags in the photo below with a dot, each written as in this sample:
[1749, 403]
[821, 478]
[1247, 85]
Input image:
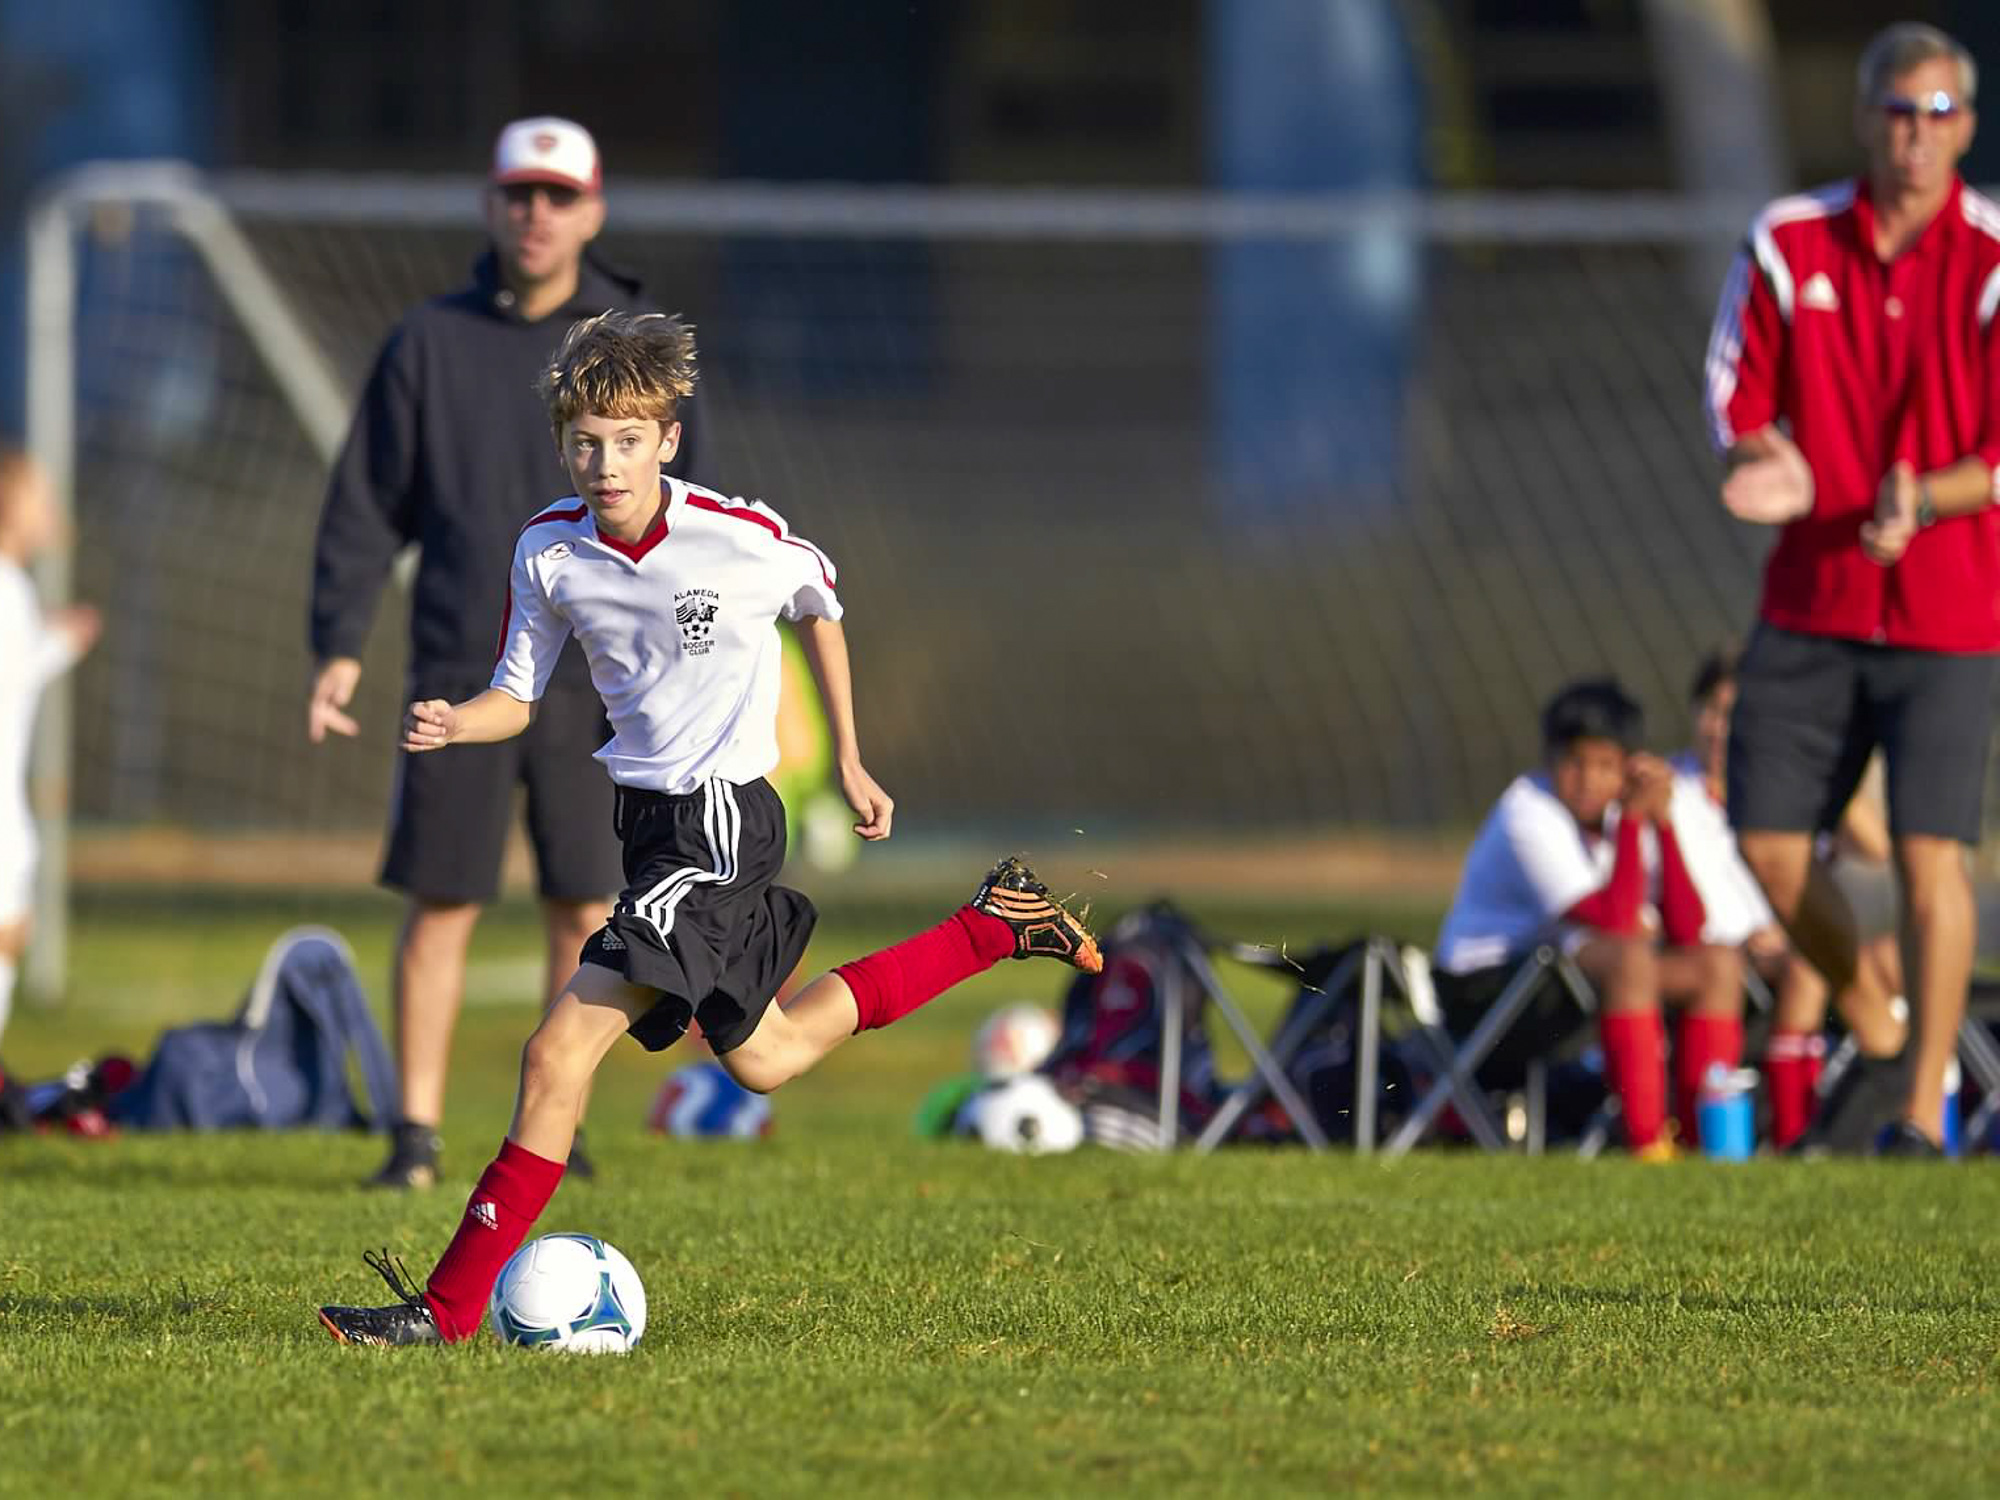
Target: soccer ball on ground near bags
[1026, 1115]
[571, 1292]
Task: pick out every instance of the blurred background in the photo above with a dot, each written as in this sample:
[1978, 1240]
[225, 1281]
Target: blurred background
[1231, 419]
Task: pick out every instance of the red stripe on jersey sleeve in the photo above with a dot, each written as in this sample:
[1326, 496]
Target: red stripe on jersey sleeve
[506, 620]
[554, 513]
[744, 513]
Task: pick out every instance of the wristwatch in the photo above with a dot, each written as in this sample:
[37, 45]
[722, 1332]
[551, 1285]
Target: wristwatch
[1926, 509]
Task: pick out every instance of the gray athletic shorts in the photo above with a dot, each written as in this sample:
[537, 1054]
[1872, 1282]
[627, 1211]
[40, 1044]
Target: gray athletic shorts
[1811, 709]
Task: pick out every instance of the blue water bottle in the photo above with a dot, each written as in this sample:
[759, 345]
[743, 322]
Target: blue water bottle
[1724, 1115]
[1954, 1128]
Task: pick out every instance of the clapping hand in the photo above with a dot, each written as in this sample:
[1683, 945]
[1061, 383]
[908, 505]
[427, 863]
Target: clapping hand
[1887, 537]
[1773, 489]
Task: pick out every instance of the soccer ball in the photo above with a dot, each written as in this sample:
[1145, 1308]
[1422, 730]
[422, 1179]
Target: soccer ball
[702, 1100]
[1027, 1116]
[571, 1292]
[1014, 1040]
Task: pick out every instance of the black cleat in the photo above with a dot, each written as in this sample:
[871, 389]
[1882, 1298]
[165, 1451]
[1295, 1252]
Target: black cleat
[406, 1322]
[1042, 927]
[1863, 1101]
[1906, 1141]
[413, 1160]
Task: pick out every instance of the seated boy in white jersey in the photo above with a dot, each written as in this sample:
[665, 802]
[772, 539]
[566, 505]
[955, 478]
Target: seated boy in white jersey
[34, 648]
[673, 594]
[1588, 854]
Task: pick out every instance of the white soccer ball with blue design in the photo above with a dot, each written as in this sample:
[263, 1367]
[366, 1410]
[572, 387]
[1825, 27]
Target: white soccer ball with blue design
[571, 1292]
[702, 1102]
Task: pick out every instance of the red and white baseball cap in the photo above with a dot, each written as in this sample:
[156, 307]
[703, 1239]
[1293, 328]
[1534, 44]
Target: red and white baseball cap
[547, 149]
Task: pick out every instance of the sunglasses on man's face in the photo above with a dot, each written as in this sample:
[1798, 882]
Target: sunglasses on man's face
[522, 194]
[1935, 106]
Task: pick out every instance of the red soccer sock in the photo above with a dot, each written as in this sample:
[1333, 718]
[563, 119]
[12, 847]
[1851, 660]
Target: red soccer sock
[1635, 1056]
[511, 1195]
[890, 984]
[1704, 1042]
[1792, 1062]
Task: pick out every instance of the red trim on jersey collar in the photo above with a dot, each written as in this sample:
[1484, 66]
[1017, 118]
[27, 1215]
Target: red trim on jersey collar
[655, 534]
[743, 513]
[558, 513]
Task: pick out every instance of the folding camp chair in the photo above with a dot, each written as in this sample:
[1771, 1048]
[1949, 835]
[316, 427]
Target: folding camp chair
[1191, 950]
[1979, 1056]
[1366, 973]
[1458, 1081]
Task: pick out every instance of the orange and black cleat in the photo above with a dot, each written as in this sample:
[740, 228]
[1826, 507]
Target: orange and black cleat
[1043, 928]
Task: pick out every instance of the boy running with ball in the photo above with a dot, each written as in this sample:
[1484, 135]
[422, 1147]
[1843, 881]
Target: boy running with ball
[673, 594]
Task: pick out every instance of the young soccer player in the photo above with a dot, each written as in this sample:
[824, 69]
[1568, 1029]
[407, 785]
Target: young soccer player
[673, 593]
[34, 647]
[1597, 853]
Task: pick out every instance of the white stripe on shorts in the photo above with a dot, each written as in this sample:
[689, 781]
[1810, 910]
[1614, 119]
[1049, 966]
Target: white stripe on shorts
[723, 824]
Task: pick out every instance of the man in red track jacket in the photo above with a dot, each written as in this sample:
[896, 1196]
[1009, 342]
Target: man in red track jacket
[1853, 385]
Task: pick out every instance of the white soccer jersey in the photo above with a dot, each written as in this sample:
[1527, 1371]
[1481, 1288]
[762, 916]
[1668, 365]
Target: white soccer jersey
[679, 629]
[1730, 894]
[31, 652]
[1531, 862]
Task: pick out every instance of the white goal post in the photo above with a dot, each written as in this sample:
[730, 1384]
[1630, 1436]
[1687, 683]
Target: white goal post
[318, 398]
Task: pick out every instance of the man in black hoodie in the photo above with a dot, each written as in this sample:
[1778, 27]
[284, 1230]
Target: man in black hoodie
[451, 450]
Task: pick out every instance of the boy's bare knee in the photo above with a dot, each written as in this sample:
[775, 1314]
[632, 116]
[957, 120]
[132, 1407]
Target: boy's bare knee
[1722, 967]
[1625, 972]
[550, 1061]
[760, 1075]
[763, 1064]
[1722, 974]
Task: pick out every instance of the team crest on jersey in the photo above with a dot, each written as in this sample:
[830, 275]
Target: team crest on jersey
[695, 610]
[557, 551]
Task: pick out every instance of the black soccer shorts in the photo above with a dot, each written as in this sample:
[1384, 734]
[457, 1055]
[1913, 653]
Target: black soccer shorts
[1811, 709]
[699, 919]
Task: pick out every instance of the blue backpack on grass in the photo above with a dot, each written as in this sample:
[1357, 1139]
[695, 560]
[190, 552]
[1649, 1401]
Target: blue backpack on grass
[283, 1063]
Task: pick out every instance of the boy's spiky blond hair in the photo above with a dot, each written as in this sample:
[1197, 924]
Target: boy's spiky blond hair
[620, 364]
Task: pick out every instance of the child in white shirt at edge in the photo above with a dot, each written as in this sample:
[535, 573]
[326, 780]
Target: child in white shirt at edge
[673, 593]
[1601, 853]
[35, 648]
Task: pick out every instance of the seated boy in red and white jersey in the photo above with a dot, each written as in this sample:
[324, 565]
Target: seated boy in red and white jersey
[673, 594]
[1591, 854]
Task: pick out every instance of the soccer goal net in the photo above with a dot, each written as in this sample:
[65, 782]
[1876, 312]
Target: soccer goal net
[1154, 512]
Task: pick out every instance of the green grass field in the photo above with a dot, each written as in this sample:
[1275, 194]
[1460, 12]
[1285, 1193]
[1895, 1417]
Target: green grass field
[844, 1309]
